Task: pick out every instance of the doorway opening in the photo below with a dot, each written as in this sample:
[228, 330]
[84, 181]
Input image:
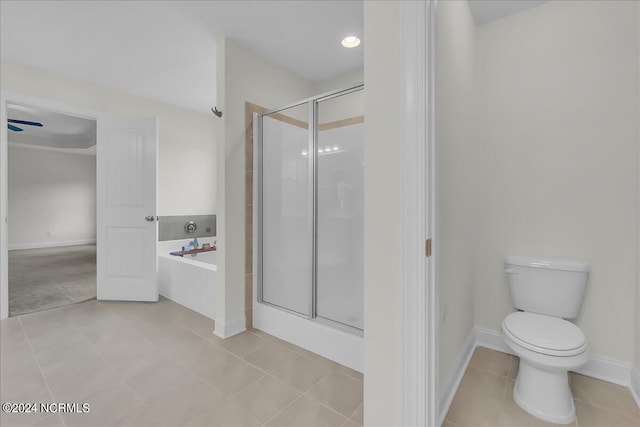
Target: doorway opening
[51, 221]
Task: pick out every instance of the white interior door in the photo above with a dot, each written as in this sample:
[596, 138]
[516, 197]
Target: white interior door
[127, 230]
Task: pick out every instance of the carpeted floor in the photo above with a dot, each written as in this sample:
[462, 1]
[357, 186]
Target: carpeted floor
[40, 279]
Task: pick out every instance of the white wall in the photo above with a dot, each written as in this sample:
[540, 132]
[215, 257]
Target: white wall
[243, 76]
[50, 191]
[558, 157]
[336, 82]
[382, 219]
[457, 186]
[187, 143]
[344, 107]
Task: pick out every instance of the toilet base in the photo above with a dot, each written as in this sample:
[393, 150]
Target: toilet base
[544, 394]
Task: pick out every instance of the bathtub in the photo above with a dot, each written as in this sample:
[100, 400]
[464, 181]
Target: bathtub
[190, 281]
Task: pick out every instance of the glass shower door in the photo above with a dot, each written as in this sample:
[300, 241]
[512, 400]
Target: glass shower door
[286, 210]
[339, 209]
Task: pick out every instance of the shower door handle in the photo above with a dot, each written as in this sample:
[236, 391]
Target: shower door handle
[149, 218]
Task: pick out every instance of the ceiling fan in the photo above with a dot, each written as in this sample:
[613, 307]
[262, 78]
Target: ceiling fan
[21, 122]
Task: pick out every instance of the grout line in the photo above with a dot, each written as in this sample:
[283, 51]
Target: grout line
[137, 318]
[605, 409]
[306, 393]
[488, 371]
[248, 352]
[350, 417]
[330, 370]
[283, 409]
[576, 421]
[277, 366]
[504, 399]
[231, 398]
[353, 376]
[303, 353]
[198, 378]
[162, 353]
[327, 406]
[35, 359]
[114, 371]
[600, 408]
[236, 393]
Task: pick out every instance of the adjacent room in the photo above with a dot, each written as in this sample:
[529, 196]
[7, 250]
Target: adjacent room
[52, 209]
[537, 151]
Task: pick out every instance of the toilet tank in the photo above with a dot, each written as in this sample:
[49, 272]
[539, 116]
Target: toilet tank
[554, 287]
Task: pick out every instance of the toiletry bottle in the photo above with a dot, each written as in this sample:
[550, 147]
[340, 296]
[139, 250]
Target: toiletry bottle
[195, 243]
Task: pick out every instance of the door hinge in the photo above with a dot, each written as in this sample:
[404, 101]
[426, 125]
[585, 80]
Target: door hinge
[427, 247]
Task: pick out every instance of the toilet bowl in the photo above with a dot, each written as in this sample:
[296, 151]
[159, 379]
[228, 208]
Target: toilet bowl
[546, 292]
[548, 348]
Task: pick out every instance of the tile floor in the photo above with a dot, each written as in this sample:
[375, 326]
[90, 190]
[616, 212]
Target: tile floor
[143, 364]
[484, 397]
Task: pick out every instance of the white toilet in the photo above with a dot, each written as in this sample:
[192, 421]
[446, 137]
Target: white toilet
[545, 291]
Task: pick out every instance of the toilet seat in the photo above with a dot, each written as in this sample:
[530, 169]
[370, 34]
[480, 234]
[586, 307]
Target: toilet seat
[543, 334]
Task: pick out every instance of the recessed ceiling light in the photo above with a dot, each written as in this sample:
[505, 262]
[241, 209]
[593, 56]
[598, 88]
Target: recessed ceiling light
[350, 41]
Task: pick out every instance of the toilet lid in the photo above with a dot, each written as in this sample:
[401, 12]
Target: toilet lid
[545, 334]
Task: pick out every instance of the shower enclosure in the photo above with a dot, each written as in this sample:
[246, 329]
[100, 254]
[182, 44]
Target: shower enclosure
[309, 208]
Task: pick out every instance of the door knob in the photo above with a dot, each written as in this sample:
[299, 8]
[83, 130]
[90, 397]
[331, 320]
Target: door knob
[149, 218]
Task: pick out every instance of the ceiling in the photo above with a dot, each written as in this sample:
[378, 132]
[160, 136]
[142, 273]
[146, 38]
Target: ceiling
[484, 11]
[166, 50]
[59, 131]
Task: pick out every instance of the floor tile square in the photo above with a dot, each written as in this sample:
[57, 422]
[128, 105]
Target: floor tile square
[491, 360]
[358, 415]
[302, 373]
[104, 408]
[265, 398]
[307, 412]
[339, 391]
[592, 416]
[226, 415]
[243, 344]
[605, 395]
[153, 375]
[184, 406]
[478, 400]
[270, 356]
[234, 377]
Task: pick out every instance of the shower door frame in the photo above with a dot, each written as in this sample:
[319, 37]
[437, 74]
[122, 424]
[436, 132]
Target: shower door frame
[312, 104]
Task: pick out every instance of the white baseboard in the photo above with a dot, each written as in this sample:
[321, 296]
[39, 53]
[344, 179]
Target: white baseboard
[606, 369]
[602, 368]
[226, 329]
[452, 382]
[490, 338]
[634, 384]
[40, 245]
